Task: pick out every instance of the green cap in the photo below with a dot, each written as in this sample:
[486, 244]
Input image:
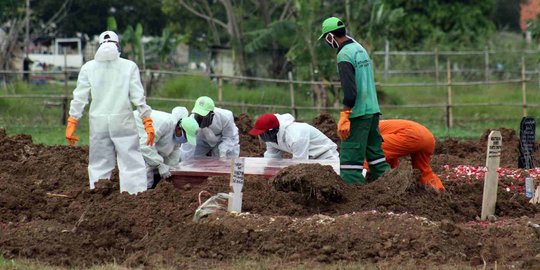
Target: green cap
[203, 105]
[190, 126]
[330, 25]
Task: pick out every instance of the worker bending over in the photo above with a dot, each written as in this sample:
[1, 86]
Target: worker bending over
[402, 138]
[282, 134]
[217, 135]
[171, 131]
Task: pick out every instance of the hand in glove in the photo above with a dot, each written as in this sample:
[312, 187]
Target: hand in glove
[164, 171]
[149, 128]
[70, 129]
[344, 125]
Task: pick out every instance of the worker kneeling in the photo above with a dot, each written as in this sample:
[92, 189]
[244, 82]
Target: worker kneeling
[171, 131]
[282, 134]
[218, 134]
[404, 137]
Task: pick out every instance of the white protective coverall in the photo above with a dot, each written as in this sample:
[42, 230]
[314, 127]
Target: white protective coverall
[165, 151]
[114, 84]
[302, 140]
[220, 139]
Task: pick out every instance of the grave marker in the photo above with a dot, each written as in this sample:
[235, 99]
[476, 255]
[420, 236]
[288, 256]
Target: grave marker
[491, 179]
[527, 130]
[236, 183]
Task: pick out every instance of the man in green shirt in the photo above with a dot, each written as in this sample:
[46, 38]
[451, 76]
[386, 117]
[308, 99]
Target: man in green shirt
[358, 125]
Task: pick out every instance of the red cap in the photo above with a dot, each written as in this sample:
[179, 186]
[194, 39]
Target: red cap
[265, 122]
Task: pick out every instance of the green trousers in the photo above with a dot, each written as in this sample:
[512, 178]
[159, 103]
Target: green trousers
[364, 143]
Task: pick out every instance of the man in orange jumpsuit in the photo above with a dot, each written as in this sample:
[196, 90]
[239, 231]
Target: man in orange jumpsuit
[404, 137]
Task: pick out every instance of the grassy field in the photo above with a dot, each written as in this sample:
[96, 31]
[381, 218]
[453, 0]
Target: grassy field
[41, 117]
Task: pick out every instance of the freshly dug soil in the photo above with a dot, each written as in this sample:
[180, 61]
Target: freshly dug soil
[250, 146]
[327, 125]
[48, 213]
[316, 184]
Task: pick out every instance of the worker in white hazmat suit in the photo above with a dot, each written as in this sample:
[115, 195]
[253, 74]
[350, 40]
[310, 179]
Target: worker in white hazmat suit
[112, 83]
[282, 134]
[172, 130]
[217, 135]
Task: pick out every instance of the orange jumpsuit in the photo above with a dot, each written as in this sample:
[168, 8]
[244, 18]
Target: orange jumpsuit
[404, 137]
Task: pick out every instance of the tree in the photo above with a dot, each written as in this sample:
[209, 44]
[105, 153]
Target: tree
[226, 15]
[12, 22]
[454, 24]
[90, 17]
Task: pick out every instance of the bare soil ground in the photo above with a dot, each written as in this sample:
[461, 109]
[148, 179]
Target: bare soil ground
[304, 214]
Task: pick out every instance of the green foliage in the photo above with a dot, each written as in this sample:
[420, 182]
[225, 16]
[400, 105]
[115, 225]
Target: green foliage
[507, 14]
[111, 24]
[455, 24]
[90, 17]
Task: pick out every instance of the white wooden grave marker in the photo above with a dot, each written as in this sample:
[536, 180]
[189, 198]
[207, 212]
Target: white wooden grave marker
[236, 183]
[491, 180]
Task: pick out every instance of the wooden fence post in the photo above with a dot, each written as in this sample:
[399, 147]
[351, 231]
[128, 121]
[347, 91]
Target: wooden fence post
[436, 65]
[66, 91]
[449, 115]
[386, 59]
[523, 86]
[220, 87]
[538, 69]
[291, 92]
[486, 63]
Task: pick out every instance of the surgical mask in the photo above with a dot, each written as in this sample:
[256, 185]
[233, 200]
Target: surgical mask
[331, 41]
[180, 140]
[204, 121]
[270, 135]
[107, 51]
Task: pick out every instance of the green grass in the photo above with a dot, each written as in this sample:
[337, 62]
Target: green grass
[42, 117]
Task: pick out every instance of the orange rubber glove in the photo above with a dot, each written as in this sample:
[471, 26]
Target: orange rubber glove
[148, 126]
[70, 129]
[344, 125]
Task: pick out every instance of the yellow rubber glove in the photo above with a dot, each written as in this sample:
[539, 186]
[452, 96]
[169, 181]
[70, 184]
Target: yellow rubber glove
[149, 128]
[70, 129]
[344, 125]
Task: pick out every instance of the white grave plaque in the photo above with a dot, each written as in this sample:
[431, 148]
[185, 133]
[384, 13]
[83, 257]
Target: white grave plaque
[236, 183]
[491, 179]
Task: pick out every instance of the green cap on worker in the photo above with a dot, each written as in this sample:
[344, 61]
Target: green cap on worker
[203, 105]
[190, 126]
[330, 25]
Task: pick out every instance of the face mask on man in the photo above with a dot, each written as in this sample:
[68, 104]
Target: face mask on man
[179, 135]
[331, 40]
[204, 121]
[270, 135]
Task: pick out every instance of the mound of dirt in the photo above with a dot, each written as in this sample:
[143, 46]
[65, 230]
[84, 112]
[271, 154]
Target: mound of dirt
[326, 124]
[473, 152]
[250, 146]
[48, 213]
[316, 184]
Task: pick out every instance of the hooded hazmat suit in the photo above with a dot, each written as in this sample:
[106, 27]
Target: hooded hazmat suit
[402, 138]
[114, 84]
[301, 140]
[220, 139]
[165, 152]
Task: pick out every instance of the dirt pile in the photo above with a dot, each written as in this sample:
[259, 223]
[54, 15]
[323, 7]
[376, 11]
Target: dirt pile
[327, 125]
[250, 146]
[314, 183]
[473, 152]
[48, 213]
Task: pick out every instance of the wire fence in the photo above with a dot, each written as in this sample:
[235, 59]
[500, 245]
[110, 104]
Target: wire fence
[446, 77]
